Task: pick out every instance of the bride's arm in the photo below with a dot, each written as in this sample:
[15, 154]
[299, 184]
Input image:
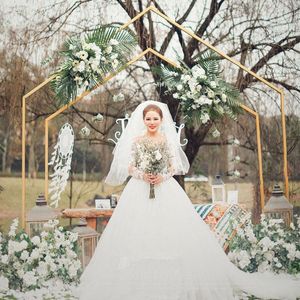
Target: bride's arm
[132, 168]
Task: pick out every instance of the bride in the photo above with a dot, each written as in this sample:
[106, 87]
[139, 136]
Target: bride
[155, 246]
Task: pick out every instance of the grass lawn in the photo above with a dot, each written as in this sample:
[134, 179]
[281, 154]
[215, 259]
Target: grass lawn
[11, 197]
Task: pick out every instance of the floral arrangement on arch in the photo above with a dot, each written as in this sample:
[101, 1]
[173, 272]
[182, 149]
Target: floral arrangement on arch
[267, 246]
[88, 59]
[202, 94]
[32, 263]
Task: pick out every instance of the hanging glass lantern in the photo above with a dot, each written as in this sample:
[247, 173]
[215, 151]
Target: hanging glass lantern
[278, 207]
[218, 190]
[87, 241]
[40, 214]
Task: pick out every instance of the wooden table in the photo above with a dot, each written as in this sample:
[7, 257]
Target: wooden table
[89, 213]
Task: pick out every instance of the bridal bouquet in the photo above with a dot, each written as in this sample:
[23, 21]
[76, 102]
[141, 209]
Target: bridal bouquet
[152, 158]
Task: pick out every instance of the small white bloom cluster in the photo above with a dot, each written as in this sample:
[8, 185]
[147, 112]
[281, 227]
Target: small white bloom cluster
[26, 263]
[197, 91]
[118, 98]
[86, 61]
[268, 246]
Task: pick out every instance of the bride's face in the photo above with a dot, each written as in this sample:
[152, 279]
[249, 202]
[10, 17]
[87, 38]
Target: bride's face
[152, 121]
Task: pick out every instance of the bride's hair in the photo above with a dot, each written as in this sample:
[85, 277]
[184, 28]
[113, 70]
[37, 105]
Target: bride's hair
[152, 107]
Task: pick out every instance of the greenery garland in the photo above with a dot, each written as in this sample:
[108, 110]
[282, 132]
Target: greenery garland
[88, 59]
[202, 93]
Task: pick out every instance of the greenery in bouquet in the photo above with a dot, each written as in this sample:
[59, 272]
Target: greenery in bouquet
[267, 246]
[88, 59]
[202, 93]
[28, 263]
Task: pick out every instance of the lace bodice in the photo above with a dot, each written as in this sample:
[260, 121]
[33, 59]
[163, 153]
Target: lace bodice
[149, 155]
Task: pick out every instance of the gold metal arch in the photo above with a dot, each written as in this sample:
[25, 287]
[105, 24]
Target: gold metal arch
[190, 33]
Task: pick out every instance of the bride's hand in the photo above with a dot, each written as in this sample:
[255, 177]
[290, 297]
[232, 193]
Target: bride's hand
[147, 177]
[156, 179]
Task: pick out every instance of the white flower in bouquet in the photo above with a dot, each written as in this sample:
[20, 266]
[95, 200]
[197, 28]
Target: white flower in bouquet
[24, 255]
[263, 267]
[192, 84]
[176, 95]
[158, 155]
[236, 142]
[29, 278]
[113, 42]
[198, 87]
[216, 133]
[109, 49]
[236, 173]
[205, 118]
[82, 55]
[213, 84]
[216, 100]
[223, 97]
[185, 78]
[115, 63]
[198, 71]
[79, 67]
[210, 94]
[20, 273]
[36, 240]
[114, 56]
[75, 63]
[118, 98]
[4, 283]
[179, 87]
[42, 268]
[237, 158]
[269, 255]
[4, 259]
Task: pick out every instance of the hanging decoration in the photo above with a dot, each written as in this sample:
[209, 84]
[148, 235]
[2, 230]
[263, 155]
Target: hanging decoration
[202, 94]
[61, 161]
[91, 57]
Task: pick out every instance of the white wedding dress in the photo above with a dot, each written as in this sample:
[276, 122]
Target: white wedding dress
[160, 249]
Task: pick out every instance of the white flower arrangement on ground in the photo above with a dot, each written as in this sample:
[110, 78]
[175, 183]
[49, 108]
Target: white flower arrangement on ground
[203, 95]
[90, 58]
[267, 246]
[29, 263]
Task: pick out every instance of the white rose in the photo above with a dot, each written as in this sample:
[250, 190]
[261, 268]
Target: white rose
[223, 97]
[3, 283]
[158, 156]
[24, 255]
[4, 259]
[108, 49]
[216, 133]
[205, 118]
[179, 87]
[210, 94]
[36, 240]
[175, 95]
[213, 84]
[82, 55]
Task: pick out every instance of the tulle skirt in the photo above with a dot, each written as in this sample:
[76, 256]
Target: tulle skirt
[160, 249]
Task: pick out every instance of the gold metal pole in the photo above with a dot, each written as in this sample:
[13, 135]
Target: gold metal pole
[24, 98]
[23, 163]
[260, 168]
[285, 161]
